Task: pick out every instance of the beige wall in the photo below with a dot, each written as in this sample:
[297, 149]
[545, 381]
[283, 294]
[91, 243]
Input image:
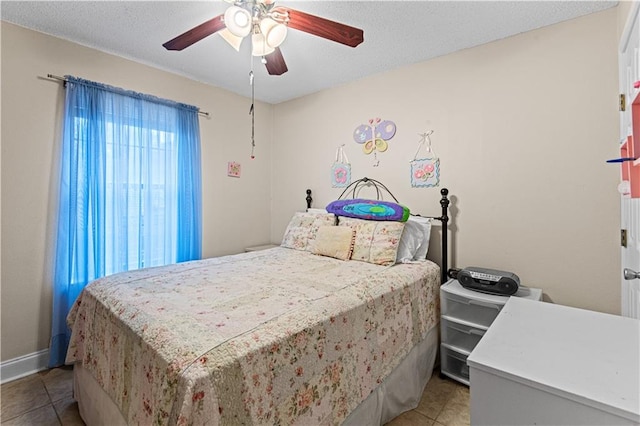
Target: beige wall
[235, 211]
[624, 8]
[523, 127]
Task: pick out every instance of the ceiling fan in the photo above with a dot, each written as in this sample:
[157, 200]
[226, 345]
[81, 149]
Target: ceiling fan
[267, 24]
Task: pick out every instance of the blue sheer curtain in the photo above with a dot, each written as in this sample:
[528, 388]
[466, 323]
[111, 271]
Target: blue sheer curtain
[130, 191]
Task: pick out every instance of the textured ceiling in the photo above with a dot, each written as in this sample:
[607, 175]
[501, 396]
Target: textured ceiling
[396, 33]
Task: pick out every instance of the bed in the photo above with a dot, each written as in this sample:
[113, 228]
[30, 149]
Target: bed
[279, 336]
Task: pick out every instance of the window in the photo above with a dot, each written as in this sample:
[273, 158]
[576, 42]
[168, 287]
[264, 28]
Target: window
[141, 185]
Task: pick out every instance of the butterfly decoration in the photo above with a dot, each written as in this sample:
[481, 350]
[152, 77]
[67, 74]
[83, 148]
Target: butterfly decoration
[374, 136]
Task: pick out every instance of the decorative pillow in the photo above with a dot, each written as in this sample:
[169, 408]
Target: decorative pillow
[334, 241]
[303, 227]
[414, 242]
[369, 209]
[376, 242]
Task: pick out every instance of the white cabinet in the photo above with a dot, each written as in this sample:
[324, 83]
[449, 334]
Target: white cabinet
[466, 316]
[548, 364]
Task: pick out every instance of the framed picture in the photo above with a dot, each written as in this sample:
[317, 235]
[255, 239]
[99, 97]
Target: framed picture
[340, 175]
[233, 169]
[341, 169]
[425, 172]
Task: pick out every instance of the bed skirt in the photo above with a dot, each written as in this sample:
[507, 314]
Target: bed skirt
[401, 391]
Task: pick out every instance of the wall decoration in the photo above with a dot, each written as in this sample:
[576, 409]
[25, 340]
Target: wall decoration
[233, 169]
[425, 171]
[374, 137]
[341, 169]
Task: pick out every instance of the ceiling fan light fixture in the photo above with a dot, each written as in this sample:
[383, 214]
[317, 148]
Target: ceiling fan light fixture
[274, 32]
[244, 17]
[260, 46]
[233, 40]
[238, 21]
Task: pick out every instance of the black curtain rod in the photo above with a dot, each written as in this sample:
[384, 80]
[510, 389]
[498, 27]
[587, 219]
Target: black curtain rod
[57, 77]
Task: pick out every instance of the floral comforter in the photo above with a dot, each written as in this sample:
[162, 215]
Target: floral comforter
[271, 337]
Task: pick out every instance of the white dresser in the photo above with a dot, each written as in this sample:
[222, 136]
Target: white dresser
[547, 364]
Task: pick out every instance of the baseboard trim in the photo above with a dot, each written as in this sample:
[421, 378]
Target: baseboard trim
[22, 366]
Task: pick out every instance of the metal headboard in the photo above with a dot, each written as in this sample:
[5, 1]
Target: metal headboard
[444, 217]
[365, 181]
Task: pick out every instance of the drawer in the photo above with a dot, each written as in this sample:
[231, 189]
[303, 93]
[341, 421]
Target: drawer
[460, 335]
[480, 312]
[454, 364]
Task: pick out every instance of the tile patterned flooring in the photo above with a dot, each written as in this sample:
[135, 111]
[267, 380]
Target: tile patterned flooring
[444, 402]
[46, 398]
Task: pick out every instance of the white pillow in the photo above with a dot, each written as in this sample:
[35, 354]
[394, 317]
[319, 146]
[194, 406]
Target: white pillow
[414, 242]
[316, 211]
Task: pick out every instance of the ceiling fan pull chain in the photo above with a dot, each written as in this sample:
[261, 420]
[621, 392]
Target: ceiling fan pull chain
[252, 112]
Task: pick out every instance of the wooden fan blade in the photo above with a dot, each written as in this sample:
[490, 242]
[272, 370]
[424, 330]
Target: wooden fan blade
[196, 34]
[324, 28]
[275, 63]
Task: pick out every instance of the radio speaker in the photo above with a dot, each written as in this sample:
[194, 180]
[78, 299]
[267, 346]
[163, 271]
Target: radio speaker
[489, 281]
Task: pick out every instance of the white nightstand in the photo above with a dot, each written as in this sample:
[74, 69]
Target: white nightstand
[465, 317]
[262, 247]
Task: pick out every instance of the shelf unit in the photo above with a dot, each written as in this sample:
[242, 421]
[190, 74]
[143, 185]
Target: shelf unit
[630, 148]
[466, 316]
[629, 68]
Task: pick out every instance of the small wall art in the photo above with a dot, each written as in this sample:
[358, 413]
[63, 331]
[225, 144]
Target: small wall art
[233, 169]
[425, 171]
[341, 169]
[374, 136]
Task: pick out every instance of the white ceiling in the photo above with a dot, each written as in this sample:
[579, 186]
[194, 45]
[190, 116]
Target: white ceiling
[396, 33]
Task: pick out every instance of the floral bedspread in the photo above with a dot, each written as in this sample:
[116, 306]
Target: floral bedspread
[278, 336]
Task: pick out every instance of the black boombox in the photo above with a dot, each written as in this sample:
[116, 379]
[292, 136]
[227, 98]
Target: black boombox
[491, 281]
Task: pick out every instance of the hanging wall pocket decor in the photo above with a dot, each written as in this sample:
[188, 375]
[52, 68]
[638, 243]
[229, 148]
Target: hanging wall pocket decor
[425, 171]
[341, 170]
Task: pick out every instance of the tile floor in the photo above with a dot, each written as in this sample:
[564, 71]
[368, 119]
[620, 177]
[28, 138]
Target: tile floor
[444, 402]
[46, 398]
[42, 399]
